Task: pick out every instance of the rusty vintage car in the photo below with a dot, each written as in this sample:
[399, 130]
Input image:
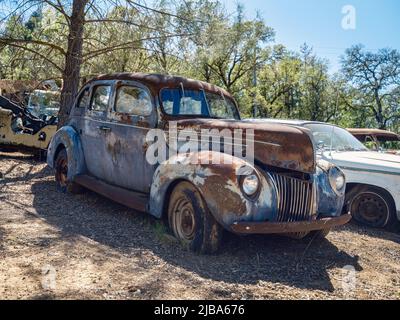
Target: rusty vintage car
[103, 147]
[378, 140]
[21, 130]
[373, 178]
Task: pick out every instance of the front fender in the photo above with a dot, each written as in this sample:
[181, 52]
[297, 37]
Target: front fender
[219, 186]
[70, 140]
[329, 203]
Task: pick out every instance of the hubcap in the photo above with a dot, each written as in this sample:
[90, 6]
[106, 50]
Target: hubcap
[183, 219]
[371, 209]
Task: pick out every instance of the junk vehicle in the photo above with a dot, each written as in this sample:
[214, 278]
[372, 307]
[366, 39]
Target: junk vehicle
[22, 130]
[373, 178]
[378, 140]
[104, 146]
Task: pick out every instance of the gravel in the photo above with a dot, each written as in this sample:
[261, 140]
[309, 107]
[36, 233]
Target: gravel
[63, 246]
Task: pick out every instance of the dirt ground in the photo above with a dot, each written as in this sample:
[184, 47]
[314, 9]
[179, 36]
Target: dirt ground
[62, 246]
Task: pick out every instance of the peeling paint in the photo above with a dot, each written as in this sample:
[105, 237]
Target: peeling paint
[38, 139]
[111, 147]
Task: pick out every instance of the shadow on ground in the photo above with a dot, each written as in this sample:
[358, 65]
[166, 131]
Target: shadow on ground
[8, 177]
[242, 260]
[2, 233]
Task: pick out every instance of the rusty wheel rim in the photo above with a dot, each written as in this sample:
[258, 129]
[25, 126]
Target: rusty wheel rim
[184, 219]
[62, 172]
[370, 209]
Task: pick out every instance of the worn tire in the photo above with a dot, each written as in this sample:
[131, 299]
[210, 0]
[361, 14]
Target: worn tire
[371, 206]
[61, 168]
[191, 222]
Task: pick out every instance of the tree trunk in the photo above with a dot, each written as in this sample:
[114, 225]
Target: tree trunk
[379, 113]
[73, 60]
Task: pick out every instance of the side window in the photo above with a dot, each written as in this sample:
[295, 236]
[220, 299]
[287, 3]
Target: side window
[83, 99]
[101, 96]
[133, 100]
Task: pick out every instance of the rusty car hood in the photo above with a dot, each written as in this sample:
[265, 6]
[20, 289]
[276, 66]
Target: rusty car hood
[276, 145]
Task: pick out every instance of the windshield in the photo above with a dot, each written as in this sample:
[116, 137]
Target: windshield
[198, 102]
[389, 145]
[44, 103]
[334, 138]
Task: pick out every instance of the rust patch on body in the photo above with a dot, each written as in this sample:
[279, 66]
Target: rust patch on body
[291, 227]
[274, 144]
[124, 118]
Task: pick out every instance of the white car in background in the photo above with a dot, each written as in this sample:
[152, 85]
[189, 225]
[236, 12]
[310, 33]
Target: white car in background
[373, 178]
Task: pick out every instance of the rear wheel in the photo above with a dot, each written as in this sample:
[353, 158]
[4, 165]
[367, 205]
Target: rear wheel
[61, 167]
[371, 206]
[190, 220]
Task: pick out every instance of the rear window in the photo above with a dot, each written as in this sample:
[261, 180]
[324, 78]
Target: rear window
[101, 97]
[133, 100]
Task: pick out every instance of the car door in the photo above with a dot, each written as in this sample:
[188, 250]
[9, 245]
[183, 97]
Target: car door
[96, 131]
[133, 114]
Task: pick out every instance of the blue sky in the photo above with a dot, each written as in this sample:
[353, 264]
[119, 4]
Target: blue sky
[319, 23]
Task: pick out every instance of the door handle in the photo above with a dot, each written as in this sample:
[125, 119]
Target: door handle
[104, 128]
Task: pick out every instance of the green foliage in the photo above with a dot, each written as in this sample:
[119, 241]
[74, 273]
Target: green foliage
[375, 80]
[199, 39]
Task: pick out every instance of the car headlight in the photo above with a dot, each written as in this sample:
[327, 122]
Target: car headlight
[250, 184]
[337, 179]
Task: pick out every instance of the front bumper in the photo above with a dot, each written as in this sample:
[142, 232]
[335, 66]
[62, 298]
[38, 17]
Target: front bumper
[289, 227]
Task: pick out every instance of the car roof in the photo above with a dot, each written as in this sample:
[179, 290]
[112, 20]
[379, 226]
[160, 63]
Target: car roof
[155, 82]
[376, 132]
[290, 121]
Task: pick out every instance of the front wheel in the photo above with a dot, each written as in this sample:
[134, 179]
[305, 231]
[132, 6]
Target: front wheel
[371, 206]
[61, 167]
[190, 220]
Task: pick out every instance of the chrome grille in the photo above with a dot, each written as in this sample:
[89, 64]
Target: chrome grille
[295, 198]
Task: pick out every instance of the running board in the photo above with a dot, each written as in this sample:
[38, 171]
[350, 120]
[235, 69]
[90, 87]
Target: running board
[130, 199]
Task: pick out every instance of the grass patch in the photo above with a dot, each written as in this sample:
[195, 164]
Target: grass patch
[162, 233]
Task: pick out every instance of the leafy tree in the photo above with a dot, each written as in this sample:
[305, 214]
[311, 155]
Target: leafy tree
[375, 77]
[316, 103]
[76, 14]
[76, 39]
[298, 85]
[279, 84]
[239, 51]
